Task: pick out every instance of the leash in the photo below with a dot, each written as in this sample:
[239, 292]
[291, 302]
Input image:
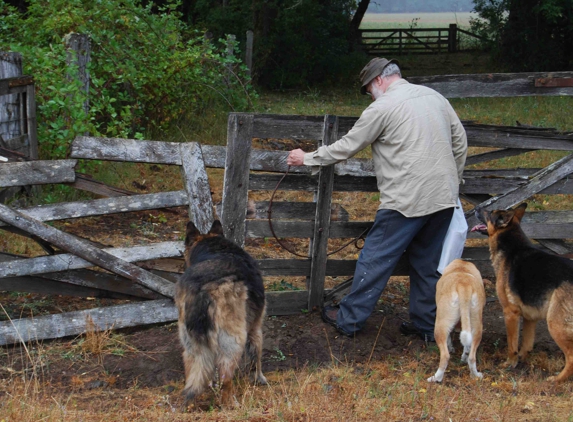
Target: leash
[269, 212]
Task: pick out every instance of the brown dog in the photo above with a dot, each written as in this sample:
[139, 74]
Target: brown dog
[531, 284]
[221, 304]
[460, 297]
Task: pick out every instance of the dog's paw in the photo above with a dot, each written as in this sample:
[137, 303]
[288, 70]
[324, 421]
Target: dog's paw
[509, 364]
[436, 378]
[478, 375]
[261, 380]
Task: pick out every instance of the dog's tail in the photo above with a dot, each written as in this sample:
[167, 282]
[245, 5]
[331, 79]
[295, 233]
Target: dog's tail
[465, 293]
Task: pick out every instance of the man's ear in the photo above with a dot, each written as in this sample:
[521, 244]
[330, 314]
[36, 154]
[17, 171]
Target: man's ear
[216, 228]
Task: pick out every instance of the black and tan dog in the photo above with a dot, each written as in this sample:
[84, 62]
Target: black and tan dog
[531, 284]
[221, 304]
[460, 298]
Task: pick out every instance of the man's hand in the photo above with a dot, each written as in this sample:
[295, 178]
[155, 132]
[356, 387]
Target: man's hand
[296, 157]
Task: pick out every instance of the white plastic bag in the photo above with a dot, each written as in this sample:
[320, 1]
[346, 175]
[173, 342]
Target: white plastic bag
[455, 238]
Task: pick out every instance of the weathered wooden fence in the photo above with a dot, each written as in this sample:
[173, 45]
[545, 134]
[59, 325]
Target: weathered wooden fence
[399, 41]
[246, 169]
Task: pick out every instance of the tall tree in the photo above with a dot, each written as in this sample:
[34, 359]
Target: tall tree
[357, 20]
[529, 35]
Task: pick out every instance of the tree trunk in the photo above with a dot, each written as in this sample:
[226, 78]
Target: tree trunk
[355, 22]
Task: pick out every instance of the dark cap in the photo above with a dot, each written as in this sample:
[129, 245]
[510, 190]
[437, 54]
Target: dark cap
[373, 69]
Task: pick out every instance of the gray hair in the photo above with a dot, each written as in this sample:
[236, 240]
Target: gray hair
[391, 69]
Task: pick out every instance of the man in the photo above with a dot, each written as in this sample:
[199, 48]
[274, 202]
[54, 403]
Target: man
[419, 148]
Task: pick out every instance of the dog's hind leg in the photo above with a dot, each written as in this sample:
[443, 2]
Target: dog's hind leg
[199, 370]
[441, 334]
[230, 349]
[477, 330]
[255, 352]
[528, 338]
[560, 325]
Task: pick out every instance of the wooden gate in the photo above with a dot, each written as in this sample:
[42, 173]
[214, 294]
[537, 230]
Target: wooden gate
[248, 169]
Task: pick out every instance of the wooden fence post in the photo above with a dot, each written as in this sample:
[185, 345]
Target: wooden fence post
[10, 113]
[249, 53]
[79, 55]
[197, 186]
[452, 38]
[322, 220]
[236, 182]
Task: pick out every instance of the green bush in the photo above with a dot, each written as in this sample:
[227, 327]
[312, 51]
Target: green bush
[147, 69]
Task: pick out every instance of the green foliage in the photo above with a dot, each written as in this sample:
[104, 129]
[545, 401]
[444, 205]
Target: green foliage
[528, 35]
[147, 69]
[296, 42]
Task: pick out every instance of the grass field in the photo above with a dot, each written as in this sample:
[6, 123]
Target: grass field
[421, 20]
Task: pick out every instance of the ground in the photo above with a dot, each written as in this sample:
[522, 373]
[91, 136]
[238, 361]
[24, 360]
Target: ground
[151, 357]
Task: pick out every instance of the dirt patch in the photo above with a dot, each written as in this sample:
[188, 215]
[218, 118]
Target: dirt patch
[151, 357]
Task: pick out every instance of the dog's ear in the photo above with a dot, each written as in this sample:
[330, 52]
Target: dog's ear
[216, 228]
[519, 211]
[191, 234]
[502, 218]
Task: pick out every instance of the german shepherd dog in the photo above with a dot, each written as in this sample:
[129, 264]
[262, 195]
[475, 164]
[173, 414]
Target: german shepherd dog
[531, 284]
[460, 298]
[221, 303]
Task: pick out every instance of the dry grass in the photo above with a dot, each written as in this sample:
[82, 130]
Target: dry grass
[392, 389]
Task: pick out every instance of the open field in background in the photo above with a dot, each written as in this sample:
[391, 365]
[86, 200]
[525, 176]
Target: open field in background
[418, 20]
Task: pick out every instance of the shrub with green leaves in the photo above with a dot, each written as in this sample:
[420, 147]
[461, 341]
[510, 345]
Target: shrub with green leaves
[147, 69]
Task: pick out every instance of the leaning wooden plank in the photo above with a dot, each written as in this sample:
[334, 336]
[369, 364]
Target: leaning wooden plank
[197, 186]
[47, 286]
[494, 155]
[548, 176]
[236, 182]
[65, 262]
[483, 136]
[78, 322]
[37, 172]
[66, 210]
[89, 185]
[494, 84]
[85, 250]
[75, 283]
[319, 242]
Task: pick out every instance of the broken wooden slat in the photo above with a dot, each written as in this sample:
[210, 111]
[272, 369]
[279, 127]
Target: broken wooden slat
[65, 262]
[493, 84]
[75, 283]
[85, 183]
[236, 182]
[67, 210]
[85, 250]
[78, 322]
[37, 172]
[319, 242]
[197, 186]
[494, 155]
[548, 176]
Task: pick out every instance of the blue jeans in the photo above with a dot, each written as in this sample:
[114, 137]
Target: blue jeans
[391, 235]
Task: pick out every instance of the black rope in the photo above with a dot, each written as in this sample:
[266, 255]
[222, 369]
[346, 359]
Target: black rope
[269, 212]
